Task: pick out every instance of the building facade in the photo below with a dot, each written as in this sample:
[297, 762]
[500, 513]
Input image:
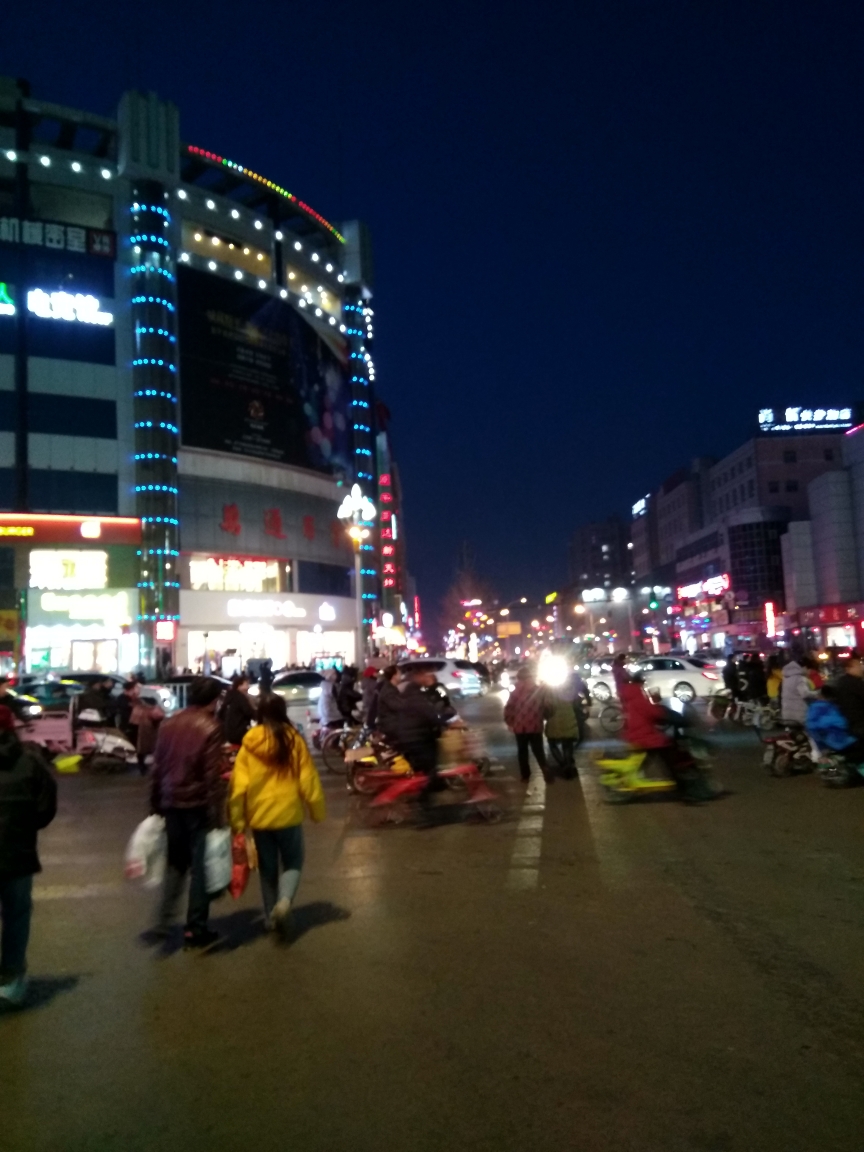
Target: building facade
[186, 345]
[600, 554]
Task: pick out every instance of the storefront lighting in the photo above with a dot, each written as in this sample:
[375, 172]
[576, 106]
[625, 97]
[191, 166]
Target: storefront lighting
[258, 225]
[283, 292]
[181, 194]
[315, 257]
[235, 214]
[211, 264]
[278, 235]
[12, 155]
[106, 173]
[66, 306]
[211, 205]
[262, 283]
[45, 161]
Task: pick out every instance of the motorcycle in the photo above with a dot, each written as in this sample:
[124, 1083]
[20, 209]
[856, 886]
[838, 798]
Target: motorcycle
[789, 752]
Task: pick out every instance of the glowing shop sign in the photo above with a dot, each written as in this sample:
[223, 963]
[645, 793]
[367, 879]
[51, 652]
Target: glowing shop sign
[225, 574]
[67, 571]
[804, 419]
[592, 595]
[109, 608]
[261, 609]
[640, 507]
[58, 306]
[770, 619]
[713, 586]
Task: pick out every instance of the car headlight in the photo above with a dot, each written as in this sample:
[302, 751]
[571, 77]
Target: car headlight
[34, 709]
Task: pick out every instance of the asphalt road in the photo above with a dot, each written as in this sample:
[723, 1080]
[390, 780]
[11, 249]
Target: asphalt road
[651, 977]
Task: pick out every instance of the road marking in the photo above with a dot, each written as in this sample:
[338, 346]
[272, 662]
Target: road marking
[525, 859]
[76, 891]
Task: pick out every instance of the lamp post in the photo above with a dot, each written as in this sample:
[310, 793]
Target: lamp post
[357, 512]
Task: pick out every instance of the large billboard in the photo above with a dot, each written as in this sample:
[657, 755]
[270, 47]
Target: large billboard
[256, 379]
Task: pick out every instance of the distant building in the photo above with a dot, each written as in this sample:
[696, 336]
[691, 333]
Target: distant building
[600, 555]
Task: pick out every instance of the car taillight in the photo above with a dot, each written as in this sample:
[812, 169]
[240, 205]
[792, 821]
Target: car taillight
[710, 675]
[457, 675]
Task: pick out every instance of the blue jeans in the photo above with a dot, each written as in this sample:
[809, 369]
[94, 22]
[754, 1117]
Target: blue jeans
[16, 906]
[277, 845]
[186, 829]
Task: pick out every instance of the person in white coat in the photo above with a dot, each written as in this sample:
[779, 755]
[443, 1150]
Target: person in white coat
[795, 692]
[329, 714]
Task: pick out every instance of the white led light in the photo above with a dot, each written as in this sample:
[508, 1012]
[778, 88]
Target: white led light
[184, 256]
[76, 167]
[284, 293]
[137, 250]
[258, 225]
[340, 277]
[302, 303]
[235, 214]
[318, 312]
[332, 319]
[197, 235]
[211, 204]
[297, 245]
[12, 155]
[315, 257]
[329, 267]
[65, 306]
[106, 173]
[341, 327]
[292, 275]
[238, 275]
[212, 265]
[278, 235]
[45, 161]
[262, 283]
[181, 193]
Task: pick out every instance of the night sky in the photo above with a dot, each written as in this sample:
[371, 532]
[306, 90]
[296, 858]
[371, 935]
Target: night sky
[605, 233]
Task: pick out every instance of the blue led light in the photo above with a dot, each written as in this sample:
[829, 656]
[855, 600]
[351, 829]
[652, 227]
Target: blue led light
[362, 428]
[151, 268]
[153, 300]
[149, 240]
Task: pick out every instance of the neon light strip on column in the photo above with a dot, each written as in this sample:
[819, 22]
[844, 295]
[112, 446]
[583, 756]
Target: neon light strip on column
[268, 184]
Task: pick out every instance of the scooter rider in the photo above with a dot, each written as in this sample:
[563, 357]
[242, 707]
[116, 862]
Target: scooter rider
[644, 719]
[418, 725]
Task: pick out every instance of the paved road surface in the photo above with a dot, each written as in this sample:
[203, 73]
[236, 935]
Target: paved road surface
[650, 978]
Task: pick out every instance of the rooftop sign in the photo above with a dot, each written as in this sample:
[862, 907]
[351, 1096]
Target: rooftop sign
[804, 419]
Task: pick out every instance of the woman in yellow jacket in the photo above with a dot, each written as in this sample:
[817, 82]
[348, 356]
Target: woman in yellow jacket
[273, 782]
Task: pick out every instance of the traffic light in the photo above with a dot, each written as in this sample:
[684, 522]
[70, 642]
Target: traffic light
[653, 602]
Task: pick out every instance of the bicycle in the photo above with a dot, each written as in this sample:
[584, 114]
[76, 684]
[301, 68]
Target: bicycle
[336, 743]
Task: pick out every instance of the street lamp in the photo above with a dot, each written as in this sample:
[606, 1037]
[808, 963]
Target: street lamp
[357, 511]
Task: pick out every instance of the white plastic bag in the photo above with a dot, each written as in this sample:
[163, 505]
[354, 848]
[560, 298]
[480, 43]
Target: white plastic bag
[217, 860]
[147, 852]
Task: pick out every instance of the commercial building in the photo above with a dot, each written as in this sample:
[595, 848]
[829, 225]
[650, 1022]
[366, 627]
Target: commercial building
[823, 555]
[186, 387]
[727, 573]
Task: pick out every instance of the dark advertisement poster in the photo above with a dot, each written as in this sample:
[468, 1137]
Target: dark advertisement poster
[256, 379]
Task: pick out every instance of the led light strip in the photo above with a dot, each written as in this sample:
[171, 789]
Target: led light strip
[267, 184]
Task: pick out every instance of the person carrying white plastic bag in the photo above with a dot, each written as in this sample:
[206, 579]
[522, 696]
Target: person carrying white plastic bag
[217, 861]
[189, 792]
[147, 852]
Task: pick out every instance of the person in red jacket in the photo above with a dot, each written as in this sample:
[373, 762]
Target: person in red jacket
[644, 722]
[524, 713]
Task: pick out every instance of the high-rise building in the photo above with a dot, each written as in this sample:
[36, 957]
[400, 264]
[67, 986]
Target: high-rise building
[600, 554]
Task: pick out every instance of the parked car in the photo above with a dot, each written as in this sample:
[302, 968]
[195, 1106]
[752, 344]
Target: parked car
[52, 695]
[458, 676]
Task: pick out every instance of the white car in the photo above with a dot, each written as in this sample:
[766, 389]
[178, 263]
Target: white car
[455, 677]
[680, 677]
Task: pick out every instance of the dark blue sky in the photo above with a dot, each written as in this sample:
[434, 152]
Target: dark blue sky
[605, 232]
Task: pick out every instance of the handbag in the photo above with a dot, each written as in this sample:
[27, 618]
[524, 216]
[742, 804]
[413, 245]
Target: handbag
[218, 861]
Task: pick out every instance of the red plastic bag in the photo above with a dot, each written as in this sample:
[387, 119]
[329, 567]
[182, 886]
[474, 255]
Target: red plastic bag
[239, 866]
